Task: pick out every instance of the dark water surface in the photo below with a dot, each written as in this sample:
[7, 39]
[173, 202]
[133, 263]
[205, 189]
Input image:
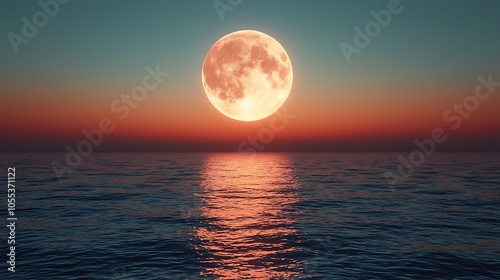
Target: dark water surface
[272, 216]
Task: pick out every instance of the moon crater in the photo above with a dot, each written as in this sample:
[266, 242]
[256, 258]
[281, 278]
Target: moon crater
[247, 75]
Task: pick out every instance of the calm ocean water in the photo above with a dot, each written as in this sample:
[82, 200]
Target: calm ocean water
[272, 216]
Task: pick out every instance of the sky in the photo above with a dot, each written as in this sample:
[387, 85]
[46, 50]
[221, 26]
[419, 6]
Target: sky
[399, 88]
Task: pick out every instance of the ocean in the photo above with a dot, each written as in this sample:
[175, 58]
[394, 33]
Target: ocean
[263, 216]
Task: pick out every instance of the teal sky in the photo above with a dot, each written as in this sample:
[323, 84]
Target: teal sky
[106, 45]
[109, 41]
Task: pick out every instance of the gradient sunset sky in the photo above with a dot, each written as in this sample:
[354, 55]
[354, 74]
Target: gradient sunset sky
[394, 91]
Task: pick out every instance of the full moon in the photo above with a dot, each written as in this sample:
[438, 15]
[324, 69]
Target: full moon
[247, 75]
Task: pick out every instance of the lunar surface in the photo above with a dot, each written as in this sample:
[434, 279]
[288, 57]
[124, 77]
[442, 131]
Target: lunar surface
[247, 75]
